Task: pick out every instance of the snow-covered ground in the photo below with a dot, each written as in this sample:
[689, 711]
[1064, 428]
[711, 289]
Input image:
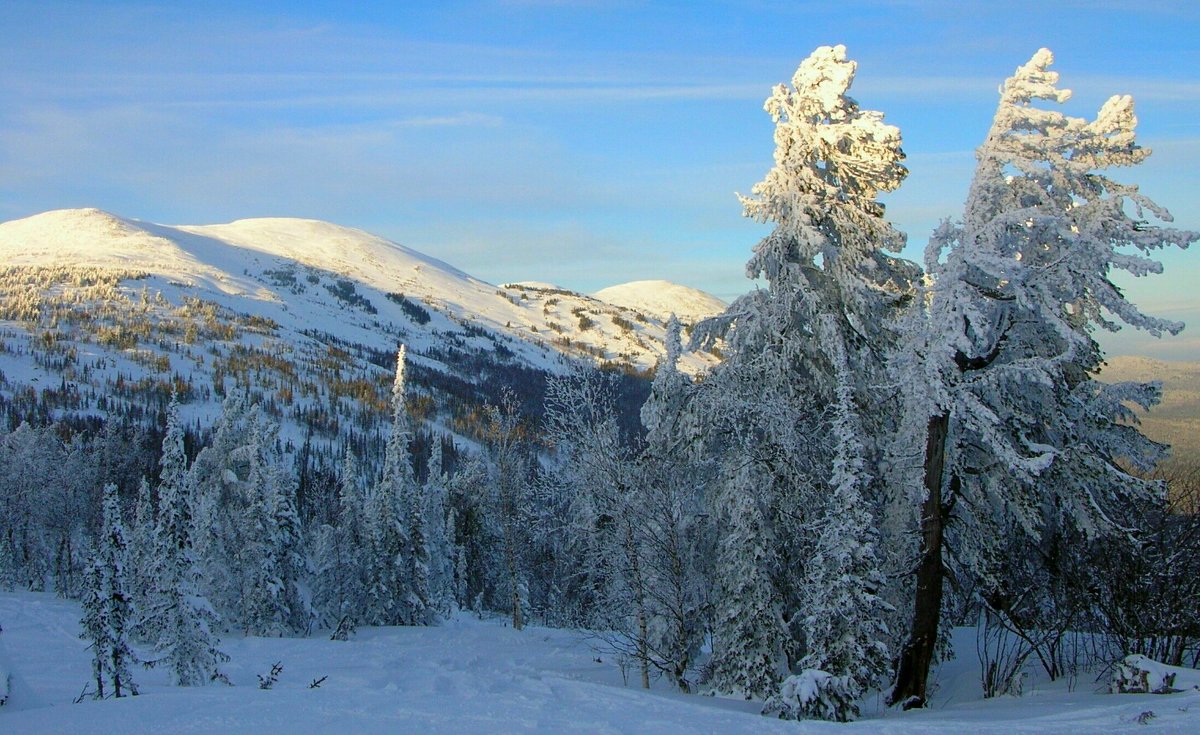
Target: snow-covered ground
[470, 676]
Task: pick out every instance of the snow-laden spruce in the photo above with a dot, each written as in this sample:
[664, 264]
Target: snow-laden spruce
[398, 588]
[275, 601]
[179, 615]
[801, 377]
[108, 606]
[999, 360]
[341, 565]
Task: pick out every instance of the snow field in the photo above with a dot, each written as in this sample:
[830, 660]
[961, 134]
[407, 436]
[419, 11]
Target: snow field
[471, 676]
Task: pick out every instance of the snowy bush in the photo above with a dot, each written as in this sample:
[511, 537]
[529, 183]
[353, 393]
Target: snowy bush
[815, 695]
[1138, 674]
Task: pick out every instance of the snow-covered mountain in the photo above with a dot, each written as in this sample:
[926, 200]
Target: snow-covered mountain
[106, 310]
[663, 298]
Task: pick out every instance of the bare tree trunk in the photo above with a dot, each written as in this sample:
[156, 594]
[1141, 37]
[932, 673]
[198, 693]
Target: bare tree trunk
[681, 654]
[912, 673]
[635, 570]
[510, 558]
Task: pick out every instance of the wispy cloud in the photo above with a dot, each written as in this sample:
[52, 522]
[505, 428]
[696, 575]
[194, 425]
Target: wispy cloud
[461, 119]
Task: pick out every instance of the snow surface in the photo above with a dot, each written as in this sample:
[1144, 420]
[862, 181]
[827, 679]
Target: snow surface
[663, 298]
[470, 676]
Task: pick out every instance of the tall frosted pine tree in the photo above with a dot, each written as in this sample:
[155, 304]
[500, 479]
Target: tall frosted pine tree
[182, 618]
[399, 587]
[108, 605]
[805, 360]
[1001, 362]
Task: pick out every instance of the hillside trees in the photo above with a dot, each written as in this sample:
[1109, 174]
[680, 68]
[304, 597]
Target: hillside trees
[1018, 434]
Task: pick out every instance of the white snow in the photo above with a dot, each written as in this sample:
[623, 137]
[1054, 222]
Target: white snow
[470, 676]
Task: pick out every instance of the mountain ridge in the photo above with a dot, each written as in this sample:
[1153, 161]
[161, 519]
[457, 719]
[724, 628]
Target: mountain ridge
[95, 238]
[303, 314]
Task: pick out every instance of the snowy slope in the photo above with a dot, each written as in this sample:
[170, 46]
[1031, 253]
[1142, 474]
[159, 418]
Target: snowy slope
[306, 315]
[663, 298]
[243, 259]
[470, 676]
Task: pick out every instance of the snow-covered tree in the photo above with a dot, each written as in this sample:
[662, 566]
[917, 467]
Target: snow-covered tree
[509, 485]
[220, 479]
[274, 567]
[749, 632]
[341, 574]
[475, 535]
[35, 457]
[143, 548]
[439, 522]
[1001, 358]
[180, 616]
[398, 590]
[675, 534]
[414, 507]
[815, 338]
[107, 605]
[843, 619]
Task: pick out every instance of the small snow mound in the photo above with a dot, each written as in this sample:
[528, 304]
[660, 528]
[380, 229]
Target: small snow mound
[815, 694]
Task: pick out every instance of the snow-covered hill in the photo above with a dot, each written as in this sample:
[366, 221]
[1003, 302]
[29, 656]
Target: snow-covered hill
[305, 314]
[663, 298]
[256, 260]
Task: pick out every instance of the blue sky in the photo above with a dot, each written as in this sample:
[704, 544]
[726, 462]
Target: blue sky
[582, 142]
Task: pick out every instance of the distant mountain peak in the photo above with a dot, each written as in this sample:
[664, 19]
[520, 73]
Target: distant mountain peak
[661, 298]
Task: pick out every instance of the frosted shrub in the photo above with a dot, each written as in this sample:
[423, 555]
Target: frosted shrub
[1138, 674]
[815, 695]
